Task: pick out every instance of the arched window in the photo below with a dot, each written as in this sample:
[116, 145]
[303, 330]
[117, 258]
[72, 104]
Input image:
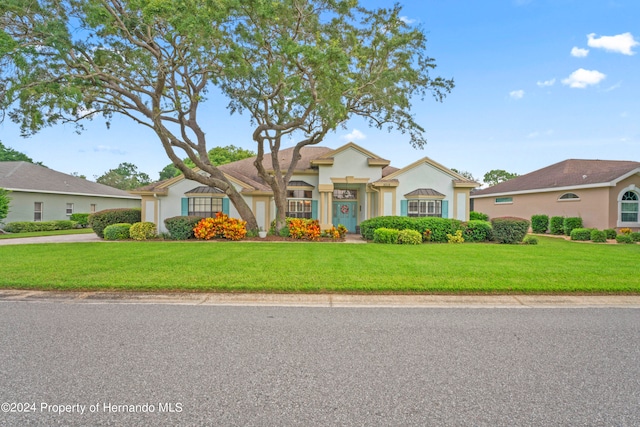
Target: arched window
[629, 207]
[569, 196]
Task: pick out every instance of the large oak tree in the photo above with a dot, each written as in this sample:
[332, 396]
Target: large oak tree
[299, 67]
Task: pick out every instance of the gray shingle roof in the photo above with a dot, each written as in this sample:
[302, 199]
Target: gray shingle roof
[568, 173]
[25, 176]
[428, 192]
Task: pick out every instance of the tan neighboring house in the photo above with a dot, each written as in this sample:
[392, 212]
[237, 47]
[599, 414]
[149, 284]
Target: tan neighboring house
[604, 193]
[38, 193]
[343, 186]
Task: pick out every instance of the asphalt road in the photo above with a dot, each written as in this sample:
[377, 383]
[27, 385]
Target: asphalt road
[155, 364]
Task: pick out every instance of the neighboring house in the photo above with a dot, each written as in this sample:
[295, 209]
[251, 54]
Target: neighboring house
[41, 194]
[604, 193]
[343, 186]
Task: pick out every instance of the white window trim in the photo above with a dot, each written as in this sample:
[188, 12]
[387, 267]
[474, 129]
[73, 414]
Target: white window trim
[496, 202]
[569, 200]
[619, 221]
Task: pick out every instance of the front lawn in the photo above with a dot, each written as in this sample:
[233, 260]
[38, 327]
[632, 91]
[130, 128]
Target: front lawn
[554, 266]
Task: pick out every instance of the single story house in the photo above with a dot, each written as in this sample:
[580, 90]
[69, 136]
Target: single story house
[38, 193]
[604, 193]
[344, 186]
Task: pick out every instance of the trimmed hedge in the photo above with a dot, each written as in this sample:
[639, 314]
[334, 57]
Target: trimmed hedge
[439, 227]
[81, 218]
[509, 229]
[570, 224]
[478, 216]
[142, 231]
[29, 226]
[623, 238]
[582, 234]
[117, 231]
[386, 235]
[556, 225]
[539, 224]
[181, 227]
[477, 231]
[635, 237]
[598, 236]
[102, 219]
[611, 233]
[409, 237]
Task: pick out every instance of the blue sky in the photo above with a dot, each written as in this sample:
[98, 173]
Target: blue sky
[537, 82]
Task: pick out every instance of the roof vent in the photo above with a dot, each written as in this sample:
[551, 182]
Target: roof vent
[584, 176]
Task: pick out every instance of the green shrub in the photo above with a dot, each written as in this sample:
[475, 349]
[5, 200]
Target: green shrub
[623, 238]
[582, 234]
[477, 231]
[530, 240]
[117, 231]
[540, 223]
[142, 231]
[386, 235]
[100, 220]
[598, 236]
[181, 227]
[509, 229]
[439, 227]
[29, 226]
[455, 238]
[478, 216]
[409, 237]
[556, 225]
[571, 223]
[635, 236]
[82, 219]
[611, 233]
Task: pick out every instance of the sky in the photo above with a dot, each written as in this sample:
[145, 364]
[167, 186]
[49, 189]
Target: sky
[536, 82]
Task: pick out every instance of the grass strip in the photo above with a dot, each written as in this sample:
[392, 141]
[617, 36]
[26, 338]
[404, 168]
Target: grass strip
[552, 267]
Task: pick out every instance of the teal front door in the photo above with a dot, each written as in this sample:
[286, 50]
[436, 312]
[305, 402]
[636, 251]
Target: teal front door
[345, 213]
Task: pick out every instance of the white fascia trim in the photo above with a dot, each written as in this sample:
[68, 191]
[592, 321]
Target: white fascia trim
[545, 190]
[625, 176]
[22, 190]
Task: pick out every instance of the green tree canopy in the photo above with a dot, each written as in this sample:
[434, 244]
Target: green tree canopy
[217, 156]
[465, 174]
[300, 68]
[8, 154]
[497, 176]
[124, 177]
[4, 204]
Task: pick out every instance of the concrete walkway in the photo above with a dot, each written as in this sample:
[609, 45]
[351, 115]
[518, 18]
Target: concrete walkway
[327, 300]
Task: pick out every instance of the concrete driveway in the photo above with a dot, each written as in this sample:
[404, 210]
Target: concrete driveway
[66, 238]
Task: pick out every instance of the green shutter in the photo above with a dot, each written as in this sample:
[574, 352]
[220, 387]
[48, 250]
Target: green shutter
[225, 206]
[403, 207]
[185, 206]
[445, 209]
[314, 209]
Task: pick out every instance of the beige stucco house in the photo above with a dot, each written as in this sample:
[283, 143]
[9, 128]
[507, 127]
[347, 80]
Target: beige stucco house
[604, 193]
[336, 186]
[41, 194]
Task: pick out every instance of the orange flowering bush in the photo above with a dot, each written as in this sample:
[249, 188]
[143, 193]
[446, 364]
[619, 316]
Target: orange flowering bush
[335, 233]
[304, 229]
[220, 227]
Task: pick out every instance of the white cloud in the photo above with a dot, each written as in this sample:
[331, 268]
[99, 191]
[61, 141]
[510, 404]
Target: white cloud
[622, 43]
[407, 20]
[546, 83]
[579, 53]
[516, 94]
[354, 135]
[582, 78]
[108, 149]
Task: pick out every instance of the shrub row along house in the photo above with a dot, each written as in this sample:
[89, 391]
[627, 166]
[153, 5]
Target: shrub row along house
[335, 186]
[41, 194]
[604, 193]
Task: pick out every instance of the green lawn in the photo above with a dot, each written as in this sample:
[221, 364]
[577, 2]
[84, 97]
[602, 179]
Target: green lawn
[554, 266]
[46, 233]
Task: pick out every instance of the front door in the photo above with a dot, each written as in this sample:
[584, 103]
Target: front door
[345, 213]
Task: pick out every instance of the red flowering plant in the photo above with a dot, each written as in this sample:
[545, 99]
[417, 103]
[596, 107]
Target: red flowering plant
[220, 227]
